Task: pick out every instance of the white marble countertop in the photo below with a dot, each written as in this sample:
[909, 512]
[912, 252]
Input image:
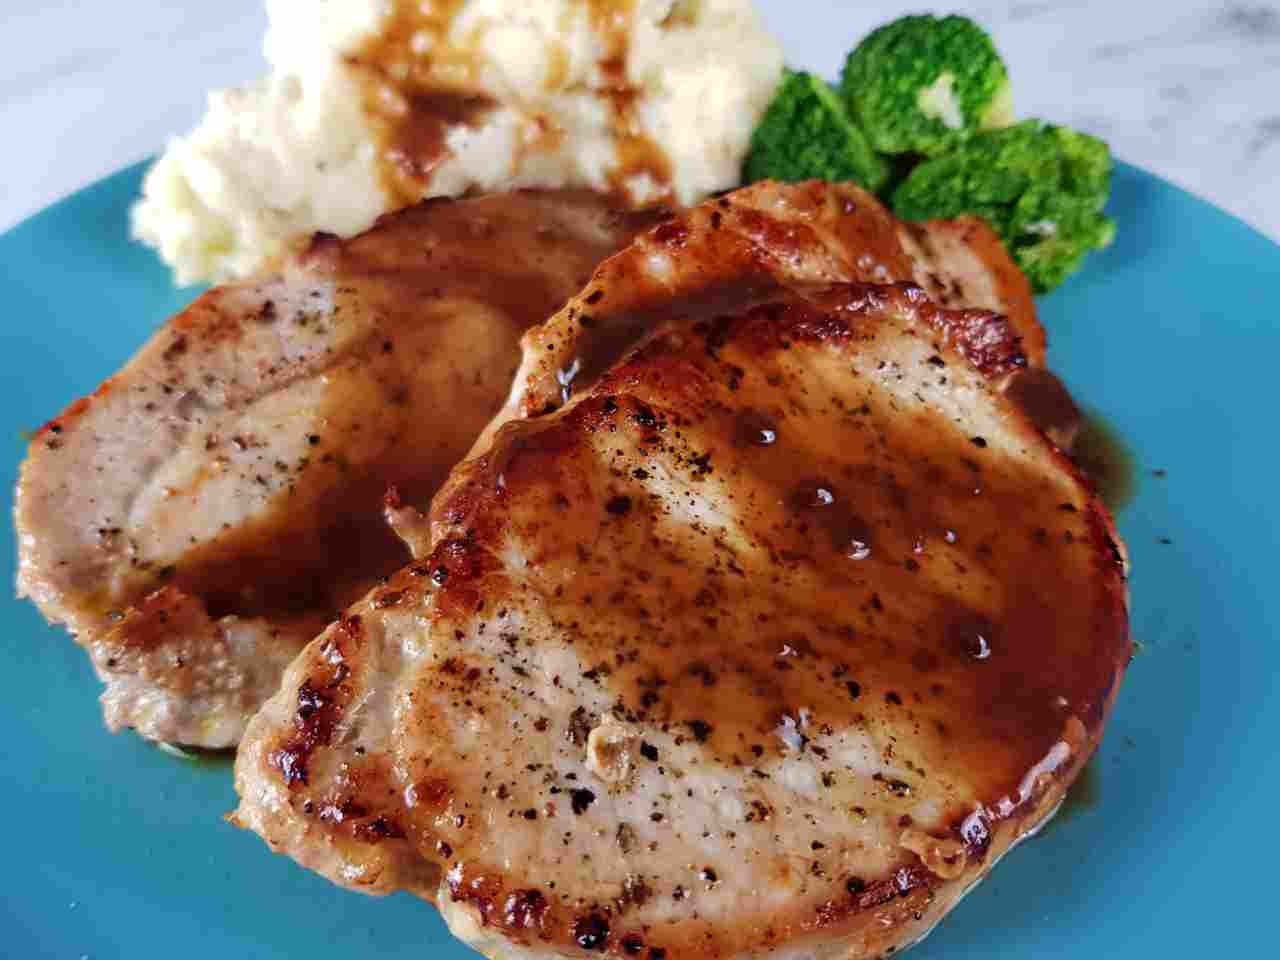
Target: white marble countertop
[1185, 88]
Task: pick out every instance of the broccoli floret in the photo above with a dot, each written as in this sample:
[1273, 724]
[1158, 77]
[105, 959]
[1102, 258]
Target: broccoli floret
[807, 134]
[1043, 188]
[926, 84]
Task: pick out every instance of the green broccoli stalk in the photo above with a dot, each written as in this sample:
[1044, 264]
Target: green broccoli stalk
[924, 85]
[806, 134]
[1043, 188]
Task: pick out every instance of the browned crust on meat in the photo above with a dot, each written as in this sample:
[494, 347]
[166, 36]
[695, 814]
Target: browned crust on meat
[1011, 286]
[155, 620]
[361, 330]
[985, 339]
[869, 914]
[880, 913]
[322, 698]
[1011, 283]
[744, 249]
[725, 255]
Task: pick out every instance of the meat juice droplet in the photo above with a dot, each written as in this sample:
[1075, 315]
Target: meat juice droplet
[755, 430]
[812, 493]
[565, 376]
[859, 550]
[979, 647]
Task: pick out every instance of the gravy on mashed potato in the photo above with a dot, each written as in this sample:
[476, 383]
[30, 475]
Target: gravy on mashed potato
[374, 105]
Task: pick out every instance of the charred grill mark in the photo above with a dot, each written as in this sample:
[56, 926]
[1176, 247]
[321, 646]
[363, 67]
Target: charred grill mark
[983, 338]
[456, 564]
[591, 932]
[322, 697]
[525, 910]
[481, 893]
[773, 240]
[378, 829]
[674, 235]
[314, 722]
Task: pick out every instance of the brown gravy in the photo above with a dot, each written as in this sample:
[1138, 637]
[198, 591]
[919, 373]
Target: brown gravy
[873, 602]
[1094, 446]
[402, 403]
[1046, 401]
[415, 100]
[416, 97]
[638, 154]
[1107, 461]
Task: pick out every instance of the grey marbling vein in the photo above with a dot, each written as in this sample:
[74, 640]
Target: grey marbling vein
[1187, 88]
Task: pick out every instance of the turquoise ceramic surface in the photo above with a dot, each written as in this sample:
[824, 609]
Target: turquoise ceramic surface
[116, 850]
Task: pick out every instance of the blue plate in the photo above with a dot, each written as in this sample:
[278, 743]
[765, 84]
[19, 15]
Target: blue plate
[118, 850]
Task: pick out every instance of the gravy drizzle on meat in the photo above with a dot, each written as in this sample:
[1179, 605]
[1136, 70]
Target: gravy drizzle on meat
[198, 519]
[773, 636]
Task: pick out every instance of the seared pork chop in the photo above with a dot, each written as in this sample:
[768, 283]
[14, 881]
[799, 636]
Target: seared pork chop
[201, 516]
[774, 638]
[748, 244]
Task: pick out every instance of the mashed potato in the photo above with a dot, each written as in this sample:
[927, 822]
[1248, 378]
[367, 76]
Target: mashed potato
[374, 104]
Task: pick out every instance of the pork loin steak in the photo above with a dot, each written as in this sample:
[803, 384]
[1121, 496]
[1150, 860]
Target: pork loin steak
[742, 249]
[774, 638]
[201, 517]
